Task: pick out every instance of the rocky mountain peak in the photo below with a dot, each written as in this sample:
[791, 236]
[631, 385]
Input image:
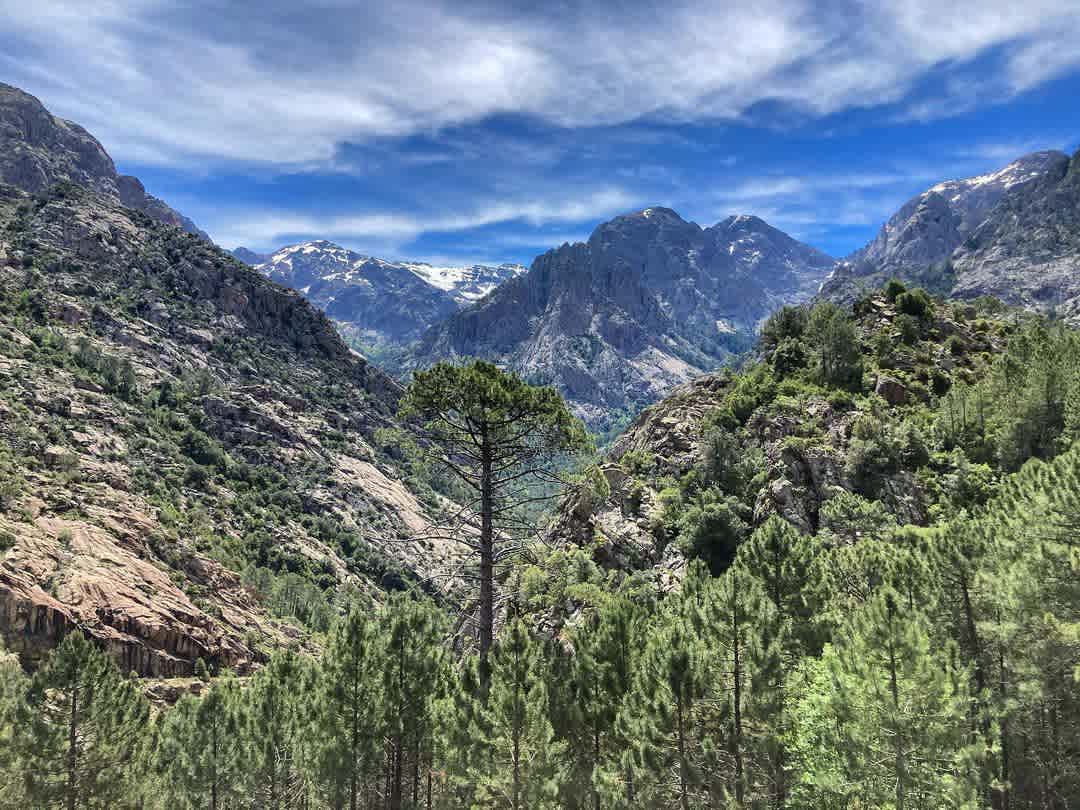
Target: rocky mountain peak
[39, 149]
[650, 301]
[1010, 233]
[381, 305]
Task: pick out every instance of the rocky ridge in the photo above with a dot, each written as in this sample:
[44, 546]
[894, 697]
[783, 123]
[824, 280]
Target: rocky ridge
[1012, 233]
[379, 303]
[800, 443]
[649, 302]
[38, 149]
[181, 440]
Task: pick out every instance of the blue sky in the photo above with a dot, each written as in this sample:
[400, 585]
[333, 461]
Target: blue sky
[488, 132]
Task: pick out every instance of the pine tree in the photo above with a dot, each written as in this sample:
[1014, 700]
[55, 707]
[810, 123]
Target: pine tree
[13, 689]
[79, 729]
[520, 765]
[606, 648]
[273, 717]
[348, 725]
[414, 671]
[461, 746]
[895, 711]
[496, 434]
[1033, 633]
[201, 747]
[745, 641]
[660, 716]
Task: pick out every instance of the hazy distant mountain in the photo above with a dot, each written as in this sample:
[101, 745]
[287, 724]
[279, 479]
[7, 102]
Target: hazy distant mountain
[647, 303]
[38, 149]
[249, 256]
[380, 302]
[1013, 233]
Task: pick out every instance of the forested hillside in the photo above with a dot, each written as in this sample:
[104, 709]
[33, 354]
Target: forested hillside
[845, 577]
[192, 463]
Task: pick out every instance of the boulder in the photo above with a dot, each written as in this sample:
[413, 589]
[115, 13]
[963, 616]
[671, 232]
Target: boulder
[892, 390]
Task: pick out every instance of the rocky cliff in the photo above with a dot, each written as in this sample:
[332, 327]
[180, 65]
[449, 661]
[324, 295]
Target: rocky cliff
[771, 441]
[647, 303]
[1012, 233]
[191, 462]
[38, 149]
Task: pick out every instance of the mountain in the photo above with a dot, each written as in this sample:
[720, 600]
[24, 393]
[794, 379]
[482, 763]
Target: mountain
[647, 303]
[249, 256]
[939, 407]
[379, 302]
[1013, 233]
[466, 284]
[193, 465]
[38, 149]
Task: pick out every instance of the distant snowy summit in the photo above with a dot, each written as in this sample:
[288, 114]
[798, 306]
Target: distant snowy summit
[380, 302]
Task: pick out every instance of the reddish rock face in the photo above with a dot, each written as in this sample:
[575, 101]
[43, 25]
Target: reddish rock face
[892, 391]
[65, 575]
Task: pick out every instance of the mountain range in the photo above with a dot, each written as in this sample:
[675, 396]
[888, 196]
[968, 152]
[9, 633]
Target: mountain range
[648, 302]
[377, 302]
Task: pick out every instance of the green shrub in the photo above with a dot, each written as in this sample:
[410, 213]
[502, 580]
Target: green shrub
[908, 326]
[712, 529]
[915, 303]
[788, 356]
[787, 323]
[954, 345]
[894, 288]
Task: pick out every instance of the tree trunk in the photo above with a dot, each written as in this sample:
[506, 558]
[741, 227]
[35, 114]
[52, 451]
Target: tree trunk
[980, 677]
[395, 783]
[1002, 687]
[899, 743]
[487, 562]
[416, 773]
[214, 752]
[516, 789]
[596, 764]
[736, 738]
[354, 788]
[73, 750]
[684, 796]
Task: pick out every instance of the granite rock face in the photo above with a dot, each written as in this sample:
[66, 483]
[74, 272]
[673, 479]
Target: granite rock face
[1013, 234]
[38, 150]
[150, 388]
[649, 302]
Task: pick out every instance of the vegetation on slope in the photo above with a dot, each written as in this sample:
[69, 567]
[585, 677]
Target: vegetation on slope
[906, 634]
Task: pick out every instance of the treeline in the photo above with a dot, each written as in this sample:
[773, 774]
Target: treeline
[915, 668]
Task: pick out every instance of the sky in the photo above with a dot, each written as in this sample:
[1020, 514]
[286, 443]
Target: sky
[460, 132]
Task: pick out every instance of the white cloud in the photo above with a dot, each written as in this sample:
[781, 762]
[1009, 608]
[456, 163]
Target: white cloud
[176, 83]
[386, 232]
